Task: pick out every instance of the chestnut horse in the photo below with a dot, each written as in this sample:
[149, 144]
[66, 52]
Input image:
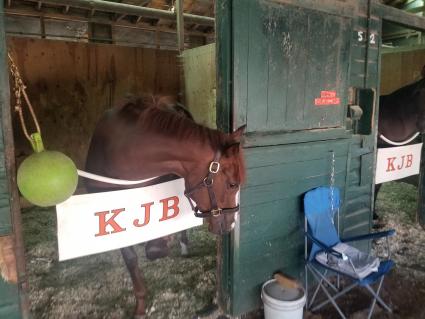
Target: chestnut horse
[401, 117]
[159, 248]
[142, 139]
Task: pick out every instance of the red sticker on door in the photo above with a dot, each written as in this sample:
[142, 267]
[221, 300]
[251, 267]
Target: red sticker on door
[327, 98]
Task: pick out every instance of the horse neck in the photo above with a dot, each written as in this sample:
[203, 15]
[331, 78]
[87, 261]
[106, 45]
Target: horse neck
[184, 158]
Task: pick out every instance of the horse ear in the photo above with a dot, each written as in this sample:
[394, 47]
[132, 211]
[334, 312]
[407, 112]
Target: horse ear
[237, 135]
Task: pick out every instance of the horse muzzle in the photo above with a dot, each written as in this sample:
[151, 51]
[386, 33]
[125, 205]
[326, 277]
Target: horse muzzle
[222, 225]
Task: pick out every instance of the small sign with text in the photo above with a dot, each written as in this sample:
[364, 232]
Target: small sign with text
[397, 162]
[99, 222]
[327, 98]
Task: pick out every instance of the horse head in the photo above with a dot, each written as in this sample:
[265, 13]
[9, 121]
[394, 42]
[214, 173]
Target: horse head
[217, 194]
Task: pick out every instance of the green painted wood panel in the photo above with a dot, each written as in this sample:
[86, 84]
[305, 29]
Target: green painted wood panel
[225, 114]
[200, 96]
[269, 235]
[282, 55]
[9, 295]
[5, 213]
[284, 58]
[9, 301]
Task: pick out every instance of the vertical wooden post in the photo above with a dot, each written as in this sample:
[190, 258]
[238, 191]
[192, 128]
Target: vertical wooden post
[224, 110]
[421, 185]
[180, 46]
[223, 31]
[180, 25]
[9, 196]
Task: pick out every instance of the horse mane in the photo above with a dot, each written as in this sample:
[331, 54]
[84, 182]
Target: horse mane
[409, 89]
[160, 115]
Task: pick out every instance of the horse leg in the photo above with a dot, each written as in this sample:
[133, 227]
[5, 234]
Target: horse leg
[157, 248]
[377, 188]
[184, 243]
[130, 259]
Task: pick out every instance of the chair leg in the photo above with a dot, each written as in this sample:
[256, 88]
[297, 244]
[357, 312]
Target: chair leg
[306, 286]
[329, 297]
[316, 291]
[324, 278]
[376, 298]
[339, 294]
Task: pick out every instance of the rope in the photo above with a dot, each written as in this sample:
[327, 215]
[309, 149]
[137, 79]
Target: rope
[382, 137]
[20, 90]
[112, 180]
[332, 183]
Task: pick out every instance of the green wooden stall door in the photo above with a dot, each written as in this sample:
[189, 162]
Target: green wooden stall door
[291, 67]
[287, 77]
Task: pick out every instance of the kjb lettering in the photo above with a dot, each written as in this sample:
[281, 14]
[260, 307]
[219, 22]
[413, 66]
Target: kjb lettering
[108, 225]
[399, 163]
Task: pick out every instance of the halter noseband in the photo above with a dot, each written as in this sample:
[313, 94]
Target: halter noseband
[208, 182]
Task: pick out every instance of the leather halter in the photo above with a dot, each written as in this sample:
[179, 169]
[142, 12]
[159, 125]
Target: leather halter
[208, 182]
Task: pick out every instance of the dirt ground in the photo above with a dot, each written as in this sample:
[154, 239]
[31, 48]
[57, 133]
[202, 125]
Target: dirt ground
[184, 288]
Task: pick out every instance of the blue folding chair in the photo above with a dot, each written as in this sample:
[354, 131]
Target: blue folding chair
[327, 254]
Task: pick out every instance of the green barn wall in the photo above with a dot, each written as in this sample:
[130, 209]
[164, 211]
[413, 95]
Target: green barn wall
[282, 54]
[9, 295]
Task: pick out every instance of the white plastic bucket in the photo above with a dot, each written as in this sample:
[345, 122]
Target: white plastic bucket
[282, 303]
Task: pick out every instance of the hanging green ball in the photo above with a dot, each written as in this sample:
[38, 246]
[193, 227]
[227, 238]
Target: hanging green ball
[47, 178]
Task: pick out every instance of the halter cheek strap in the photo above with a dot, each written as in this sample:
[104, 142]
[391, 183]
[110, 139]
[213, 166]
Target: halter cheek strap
[208, 182]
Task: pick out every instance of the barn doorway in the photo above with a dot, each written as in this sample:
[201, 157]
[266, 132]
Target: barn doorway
[402, 63]
[77, 63]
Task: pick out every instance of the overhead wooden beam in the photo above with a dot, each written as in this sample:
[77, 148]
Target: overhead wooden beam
[120, 17]
[128, 9]
[145, 3]
[416, 9]
[52, 14]
[398, 16]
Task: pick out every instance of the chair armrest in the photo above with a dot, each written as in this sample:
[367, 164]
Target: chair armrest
[325, 248]
[381, 234]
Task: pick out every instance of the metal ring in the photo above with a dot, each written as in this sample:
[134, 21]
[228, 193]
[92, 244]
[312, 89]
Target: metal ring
[216, 212]
[211, 181]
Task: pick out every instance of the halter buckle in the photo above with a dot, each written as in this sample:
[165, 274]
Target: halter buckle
[216, 212]
[214, 167]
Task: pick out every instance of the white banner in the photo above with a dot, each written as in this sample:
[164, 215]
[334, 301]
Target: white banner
[397, 162]
[94, 223]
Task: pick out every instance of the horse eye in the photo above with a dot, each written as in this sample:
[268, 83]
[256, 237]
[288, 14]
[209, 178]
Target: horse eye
[233, 185]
